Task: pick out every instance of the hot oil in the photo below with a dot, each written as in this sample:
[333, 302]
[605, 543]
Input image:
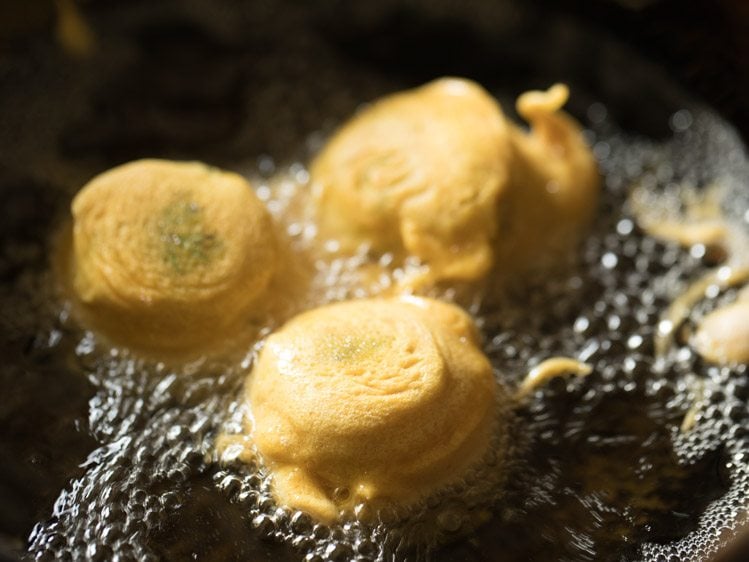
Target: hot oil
[599, 468]
[121, 449]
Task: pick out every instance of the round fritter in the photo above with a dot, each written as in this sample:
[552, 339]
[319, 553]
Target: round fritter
[378, 401]
[439, 174]
[169, 255]
[418, 173]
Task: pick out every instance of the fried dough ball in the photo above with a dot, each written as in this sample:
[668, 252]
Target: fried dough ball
[418, 173]
[169, 256]
[376, 402]
[438, 173]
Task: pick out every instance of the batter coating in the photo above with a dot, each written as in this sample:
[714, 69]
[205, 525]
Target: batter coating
[553, 188]
[380, 401]
[439, 173]
[169, 256]
[419, 173]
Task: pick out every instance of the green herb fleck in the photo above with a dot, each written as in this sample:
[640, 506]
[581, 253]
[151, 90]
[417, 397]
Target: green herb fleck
[183, 240]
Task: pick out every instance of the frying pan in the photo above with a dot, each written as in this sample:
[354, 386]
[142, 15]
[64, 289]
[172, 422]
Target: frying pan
[251, 86]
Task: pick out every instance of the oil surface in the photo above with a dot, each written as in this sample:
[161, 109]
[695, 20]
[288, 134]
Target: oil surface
[111, 457]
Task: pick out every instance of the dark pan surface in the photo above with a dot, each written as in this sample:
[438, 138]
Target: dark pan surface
[97, 462]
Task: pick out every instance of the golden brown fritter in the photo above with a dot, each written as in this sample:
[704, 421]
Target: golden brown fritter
[380, 401]
[169, 255]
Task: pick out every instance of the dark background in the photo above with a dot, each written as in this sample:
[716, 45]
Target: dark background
[703, 44]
